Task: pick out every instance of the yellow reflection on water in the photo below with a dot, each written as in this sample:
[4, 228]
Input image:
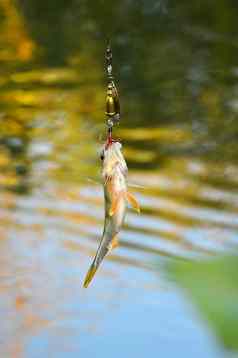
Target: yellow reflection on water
[17, 43]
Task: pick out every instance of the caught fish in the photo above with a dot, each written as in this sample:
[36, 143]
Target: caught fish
[116, 196]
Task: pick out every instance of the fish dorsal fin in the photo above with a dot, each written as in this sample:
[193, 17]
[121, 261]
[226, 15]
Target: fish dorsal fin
[133, 202]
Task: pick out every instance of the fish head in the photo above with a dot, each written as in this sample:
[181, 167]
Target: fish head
[112, 158]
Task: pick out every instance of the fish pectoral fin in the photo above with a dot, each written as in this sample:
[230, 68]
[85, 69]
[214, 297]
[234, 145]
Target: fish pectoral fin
[133, 202]
[115, 203]
[134, 185]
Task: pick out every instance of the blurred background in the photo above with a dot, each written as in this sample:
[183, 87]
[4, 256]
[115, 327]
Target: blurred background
[175, 65]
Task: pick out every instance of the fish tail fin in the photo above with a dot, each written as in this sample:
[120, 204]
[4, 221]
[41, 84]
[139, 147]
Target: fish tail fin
[90, 274]
[101, 253]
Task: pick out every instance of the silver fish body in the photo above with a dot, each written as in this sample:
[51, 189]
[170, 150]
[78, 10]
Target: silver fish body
[114, 189]
[114, 173]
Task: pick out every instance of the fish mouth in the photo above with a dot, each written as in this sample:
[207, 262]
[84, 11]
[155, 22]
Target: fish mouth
[110, 141]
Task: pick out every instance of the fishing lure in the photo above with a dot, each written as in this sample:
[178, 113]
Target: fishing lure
[114, 173]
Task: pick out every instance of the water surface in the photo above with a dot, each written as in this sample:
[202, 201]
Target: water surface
[176, 68]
